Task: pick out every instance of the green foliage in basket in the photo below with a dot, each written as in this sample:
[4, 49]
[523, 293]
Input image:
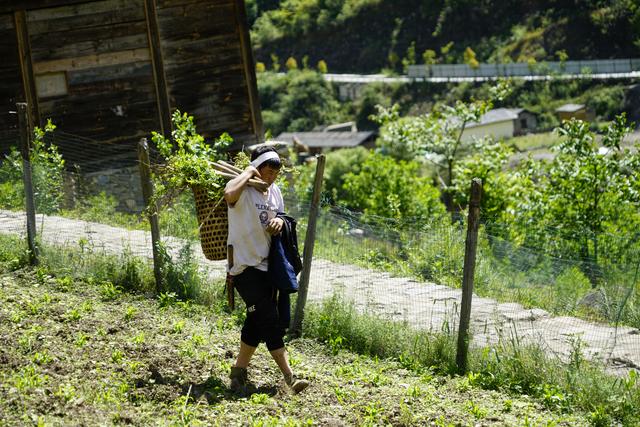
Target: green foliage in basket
[188, 158]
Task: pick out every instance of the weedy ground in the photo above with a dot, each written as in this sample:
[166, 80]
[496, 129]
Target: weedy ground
[76, 353]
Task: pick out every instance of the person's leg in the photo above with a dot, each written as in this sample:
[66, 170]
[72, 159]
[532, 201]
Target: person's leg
[245, 354]
[249, 337]
[280, 357]
[262, 324]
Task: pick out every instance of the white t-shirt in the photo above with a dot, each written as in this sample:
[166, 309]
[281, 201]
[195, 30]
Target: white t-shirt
[248, 219]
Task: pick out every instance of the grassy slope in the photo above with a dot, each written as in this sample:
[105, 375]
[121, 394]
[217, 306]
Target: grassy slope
[492, 28]
[68, 356]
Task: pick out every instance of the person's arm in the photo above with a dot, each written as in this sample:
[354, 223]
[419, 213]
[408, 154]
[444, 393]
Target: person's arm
[235, 187]
[274, 226]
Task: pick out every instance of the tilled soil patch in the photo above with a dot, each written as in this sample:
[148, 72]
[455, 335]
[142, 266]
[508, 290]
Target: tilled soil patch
[71, 358]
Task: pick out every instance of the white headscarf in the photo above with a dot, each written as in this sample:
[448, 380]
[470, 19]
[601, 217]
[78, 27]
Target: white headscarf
[263, 158]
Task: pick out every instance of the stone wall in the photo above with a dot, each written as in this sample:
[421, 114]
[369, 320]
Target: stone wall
[124, 184]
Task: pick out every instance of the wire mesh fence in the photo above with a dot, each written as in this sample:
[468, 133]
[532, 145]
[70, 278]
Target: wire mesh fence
[412, 275]
[402, 271]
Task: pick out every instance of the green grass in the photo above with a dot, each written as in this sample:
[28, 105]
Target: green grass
[534, 141]
[509, 367]
[50, 293]
[168, 365]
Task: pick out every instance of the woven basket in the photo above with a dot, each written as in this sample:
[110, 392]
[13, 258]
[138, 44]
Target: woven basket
[214, 224]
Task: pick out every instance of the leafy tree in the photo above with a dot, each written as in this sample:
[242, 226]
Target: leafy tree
[429, 57]
[392, 56]
[275, 62]
[260, 67]
[339, 163]
[563, 56]
[365, 105]
[291, 64]
[486, 161]
[469, 57]
[586, 190]
[322, 67]
[297, 101]
[447, 54]
[438, 136]
[410, 58]
[392, 189]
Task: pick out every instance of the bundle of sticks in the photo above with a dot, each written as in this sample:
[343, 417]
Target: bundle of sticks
[230, 171]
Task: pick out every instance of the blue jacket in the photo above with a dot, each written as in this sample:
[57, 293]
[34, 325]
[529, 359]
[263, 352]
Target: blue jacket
[284, 264]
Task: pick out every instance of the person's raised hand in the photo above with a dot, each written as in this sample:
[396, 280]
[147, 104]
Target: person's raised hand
[252, 171]
[274, 226]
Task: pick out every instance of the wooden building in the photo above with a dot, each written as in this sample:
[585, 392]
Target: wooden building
[577, 111]
[321, 142]
[114, 70]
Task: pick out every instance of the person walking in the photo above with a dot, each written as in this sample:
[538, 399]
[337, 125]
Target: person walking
[252, 222]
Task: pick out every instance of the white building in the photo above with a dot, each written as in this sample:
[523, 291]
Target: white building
[501, 123]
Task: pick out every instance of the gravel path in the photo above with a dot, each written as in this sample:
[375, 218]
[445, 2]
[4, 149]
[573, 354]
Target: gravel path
[420, 304]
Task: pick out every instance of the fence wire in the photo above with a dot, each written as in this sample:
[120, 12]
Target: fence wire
[405, 271]
[412, 273]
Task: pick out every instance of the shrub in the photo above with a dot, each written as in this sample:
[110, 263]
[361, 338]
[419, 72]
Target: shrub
[391, 189]
[322, 67]
[47, 167]
[338, 164]
[291, 64]
[188, 159]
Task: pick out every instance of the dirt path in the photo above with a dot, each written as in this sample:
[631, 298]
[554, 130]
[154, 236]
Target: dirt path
[420, 304]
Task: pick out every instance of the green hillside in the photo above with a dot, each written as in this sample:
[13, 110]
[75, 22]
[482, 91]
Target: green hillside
[370, 35]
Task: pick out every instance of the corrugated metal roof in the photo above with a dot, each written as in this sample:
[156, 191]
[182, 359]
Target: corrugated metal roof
[497, 115]
[327, 139]
[570, 108]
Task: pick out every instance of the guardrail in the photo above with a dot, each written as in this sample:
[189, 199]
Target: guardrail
[516, 69]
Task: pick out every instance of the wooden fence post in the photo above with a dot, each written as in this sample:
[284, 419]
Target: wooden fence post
[25, 150]
[467, 277]
[296, 325]
[152, 210]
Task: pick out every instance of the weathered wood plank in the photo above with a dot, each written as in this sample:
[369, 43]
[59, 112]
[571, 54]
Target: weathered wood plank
[92, 61]
[110, 72]
[227, 61]
[6, 23]
[14, 5]
[77, 10]
[166, 4]
[194, 28]
[93, 33]
[211, 47]
[89, 40]
[196, 8]
[97, 47]
[130, 14]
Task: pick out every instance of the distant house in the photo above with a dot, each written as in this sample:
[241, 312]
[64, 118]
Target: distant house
[578, 111]
[319, 142]
[501, 123]
[525, 122]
